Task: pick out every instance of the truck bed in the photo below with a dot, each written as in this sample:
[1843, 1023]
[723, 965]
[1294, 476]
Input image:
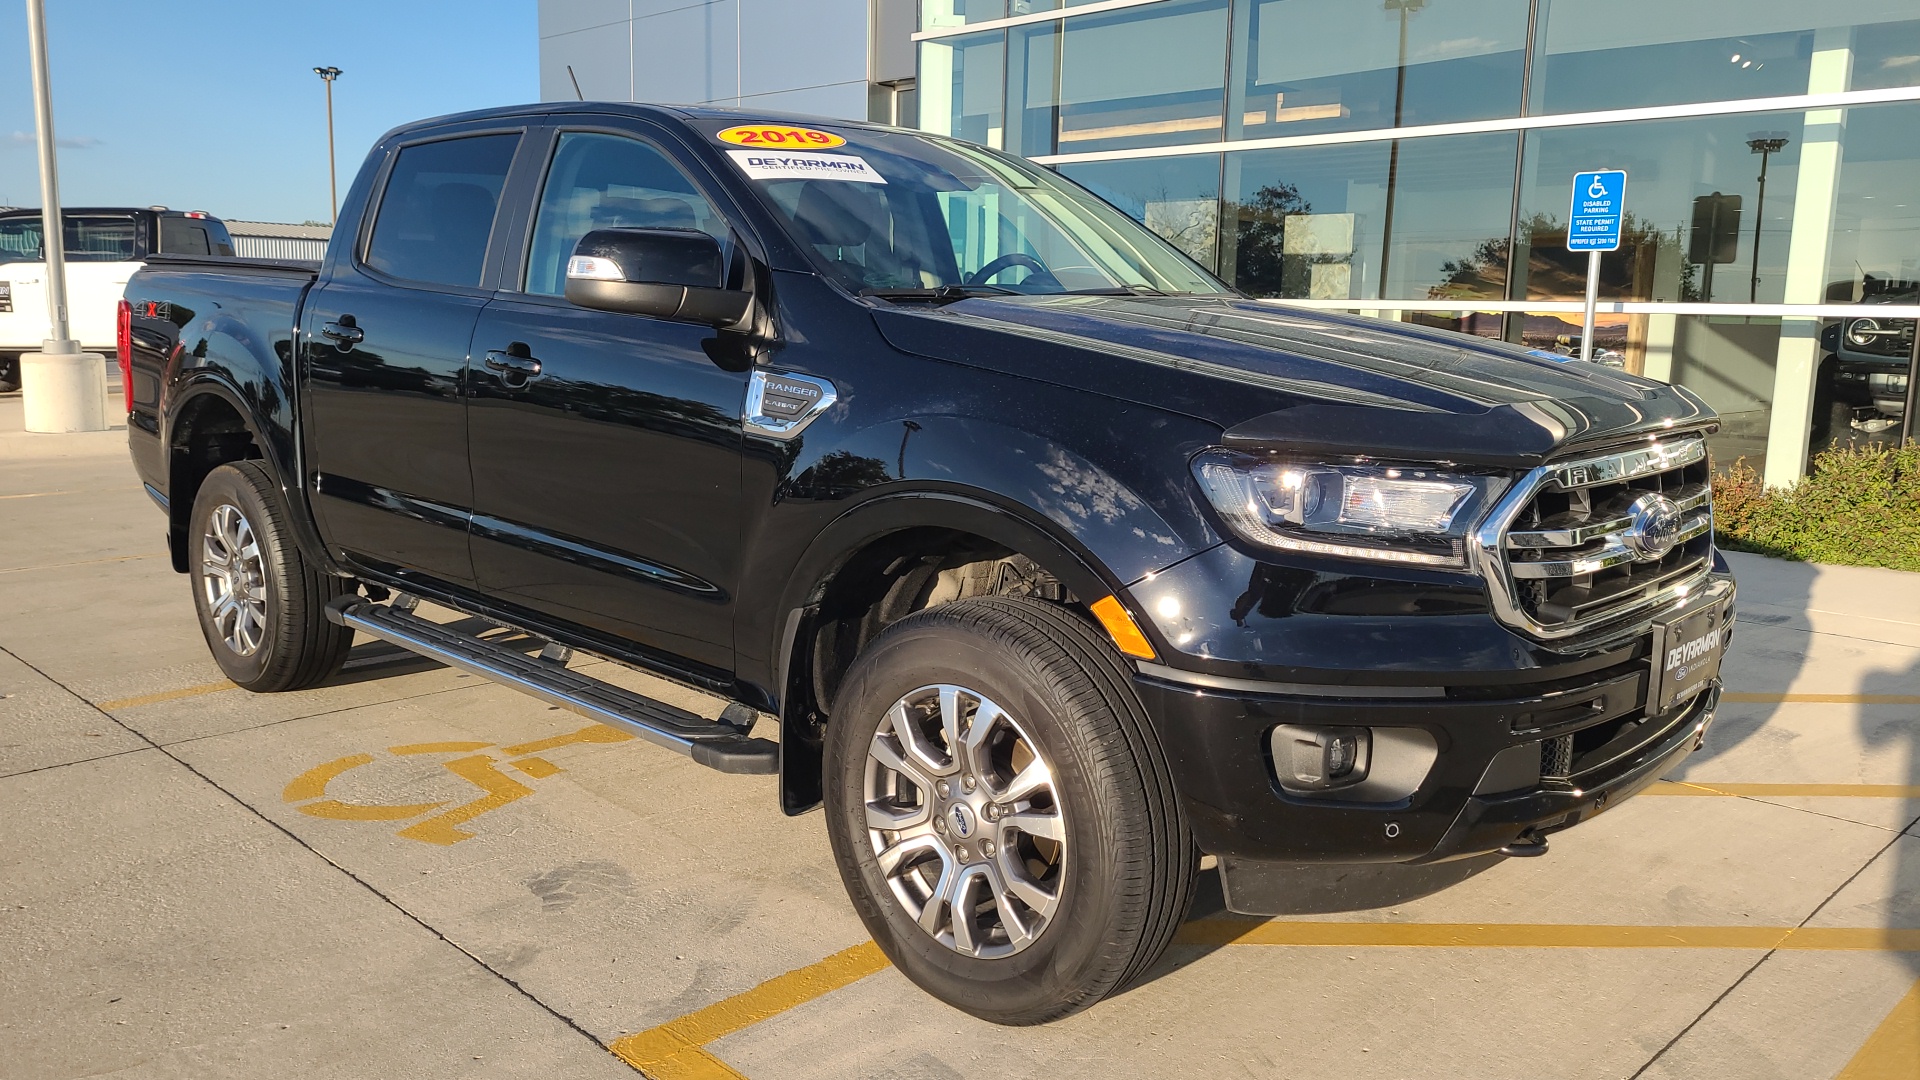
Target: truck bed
[229, 262]
[213, 325]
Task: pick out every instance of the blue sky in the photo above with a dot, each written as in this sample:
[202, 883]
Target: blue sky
[210, 105]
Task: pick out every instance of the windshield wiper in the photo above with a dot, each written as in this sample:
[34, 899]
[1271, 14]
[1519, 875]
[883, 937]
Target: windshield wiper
[1123, 290]
[940, 294]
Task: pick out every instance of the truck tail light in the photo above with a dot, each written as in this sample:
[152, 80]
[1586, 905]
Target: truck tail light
[123, 345]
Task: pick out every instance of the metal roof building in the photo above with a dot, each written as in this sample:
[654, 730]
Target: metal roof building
[277, 240]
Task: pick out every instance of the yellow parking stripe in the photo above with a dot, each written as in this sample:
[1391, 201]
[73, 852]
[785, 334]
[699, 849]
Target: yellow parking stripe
[165, 695]
[1844, 791]
[1892, 1052]
[1229, 931]
[675, 1050]
[1821, 699]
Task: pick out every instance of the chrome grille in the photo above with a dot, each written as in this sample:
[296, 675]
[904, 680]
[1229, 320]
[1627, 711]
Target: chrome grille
[1582, 544]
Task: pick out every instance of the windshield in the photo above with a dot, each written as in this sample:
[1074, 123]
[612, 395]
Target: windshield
[89, 239]
[899, 211]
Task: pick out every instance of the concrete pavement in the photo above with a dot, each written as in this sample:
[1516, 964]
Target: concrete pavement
[412, 873]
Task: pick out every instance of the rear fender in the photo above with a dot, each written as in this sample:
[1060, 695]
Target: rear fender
[223, 356]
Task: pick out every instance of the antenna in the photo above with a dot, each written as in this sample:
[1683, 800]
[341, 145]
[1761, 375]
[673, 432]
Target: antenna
[576, 83]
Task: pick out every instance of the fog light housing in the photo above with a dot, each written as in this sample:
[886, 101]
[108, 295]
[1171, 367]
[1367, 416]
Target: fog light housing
[1310, 759]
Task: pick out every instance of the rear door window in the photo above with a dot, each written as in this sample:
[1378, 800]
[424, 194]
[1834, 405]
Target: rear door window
[438, 210]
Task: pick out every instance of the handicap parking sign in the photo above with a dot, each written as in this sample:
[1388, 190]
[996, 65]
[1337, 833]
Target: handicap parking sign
[1599, 201]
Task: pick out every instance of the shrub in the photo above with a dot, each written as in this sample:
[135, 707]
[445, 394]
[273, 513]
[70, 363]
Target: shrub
[1859, 507]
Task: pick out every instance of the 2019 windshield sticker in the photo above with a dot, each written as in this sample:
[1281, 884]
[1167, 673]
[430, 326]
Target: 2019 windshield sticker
[776, 165]
[768, 135]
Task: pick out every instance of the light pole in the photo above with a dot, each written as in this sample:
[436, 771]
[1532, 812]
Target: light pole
[1405, 8]
[1766, 144]
[327, 75]
[63, 389]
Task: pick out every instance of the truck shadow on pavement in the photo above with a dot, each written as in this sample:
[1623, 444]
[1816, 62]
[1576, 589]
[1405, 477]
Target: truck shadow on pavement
[1902, 728]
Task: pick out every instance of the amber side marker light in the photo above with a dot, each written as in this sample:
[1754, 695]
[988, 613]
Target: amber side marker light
[1122, 629]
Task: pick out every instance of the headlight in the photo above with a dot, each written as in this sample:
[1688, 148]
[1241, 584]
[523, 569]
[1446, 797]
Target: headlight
[1387, 513]
[1863, 332]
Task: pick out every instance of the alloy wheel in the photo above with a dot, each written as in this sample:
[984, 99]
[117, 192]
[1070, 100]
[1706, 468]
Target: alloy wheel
[965, 822]
[233, 579]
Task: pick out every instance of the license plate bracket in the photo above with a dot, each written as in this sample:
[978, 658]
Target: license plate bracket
[1687, 649]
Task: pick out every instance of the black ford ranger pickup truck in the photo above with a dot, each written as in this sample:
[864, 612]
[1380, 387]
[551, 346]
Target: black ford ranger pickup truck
[1040, 558]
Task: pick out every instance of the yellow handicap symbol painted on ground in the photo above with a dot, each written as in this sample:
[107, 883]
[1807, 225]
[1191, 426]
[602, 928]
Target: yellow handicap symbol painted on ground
[479, 769]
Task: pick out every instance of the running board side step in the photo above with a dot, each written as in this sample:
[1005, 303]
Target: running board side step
[718, 744]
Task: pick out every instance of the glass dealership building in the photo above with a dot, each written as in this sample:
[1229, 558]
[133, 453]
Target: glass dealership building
[1412, 159]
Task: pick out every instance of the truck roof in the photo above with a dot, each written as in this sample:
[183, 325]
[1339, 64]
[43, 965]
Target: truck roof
[632, 108]
[68, 211]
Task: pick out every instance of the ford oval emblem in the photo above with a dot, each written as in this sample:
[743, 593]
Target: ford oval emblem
[1654, 528]
[962, 822]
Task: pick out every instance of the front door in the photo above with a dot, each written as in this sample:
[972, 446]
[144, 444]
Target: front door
[387, 338]
[606, 485]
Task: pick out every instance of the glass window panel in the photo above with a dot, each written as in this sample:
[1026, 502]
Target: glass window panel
[1148, 76]
[1028, 7]
[961, 87]
[609, 182]
[1656, 52]
[1318, 222]
[1875, 254]
[940, 14]
[1179, 198]
[1729, 361]
[1486, 324]
[1344, 65]
[1033, 89]
[1676, 169]
[1887, 54]
[88, 239]
[935, 14]
[437, 212]
[179, 236]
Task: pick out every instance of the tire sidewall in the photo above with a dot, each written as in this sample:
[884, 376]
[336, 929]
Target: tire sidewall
[1082, 935]
[227, 485]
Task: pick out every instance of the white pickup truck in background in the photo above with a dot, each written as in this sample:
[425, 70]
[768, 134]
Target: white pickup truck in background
[105, 245]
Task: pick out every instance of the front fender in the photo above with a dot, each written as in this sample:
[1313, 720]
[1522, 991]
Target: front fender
[1095, 527]
[1126, 521]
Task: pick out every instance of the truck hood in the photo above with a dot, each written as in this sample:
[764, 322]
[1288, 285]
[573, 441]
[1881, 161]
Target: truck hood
[1306, 381]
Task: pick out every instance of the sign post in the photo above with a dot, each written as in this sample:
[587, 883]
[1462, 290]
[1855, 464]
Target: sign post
[1593, 226]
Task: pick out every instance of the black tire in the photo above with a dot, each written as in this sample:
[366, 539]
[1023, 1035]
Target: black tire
[295, 646]
[1125, 880]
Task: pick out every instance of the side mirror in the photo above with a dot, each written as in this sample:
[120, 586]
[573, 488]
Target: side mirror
[674, 274]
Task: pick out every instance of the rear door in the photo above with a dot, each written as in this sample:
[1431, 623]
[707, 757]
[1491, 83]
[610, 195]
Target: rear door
[386, 336]
[607, 486]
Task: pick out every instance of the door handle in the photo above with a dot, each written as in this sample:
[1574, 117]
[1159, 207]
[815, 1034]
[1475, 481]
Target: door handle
[345, 333]
[514, 369]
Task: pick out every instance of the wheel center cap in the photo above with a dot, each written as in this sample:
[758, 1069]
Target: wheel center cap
[960, 816]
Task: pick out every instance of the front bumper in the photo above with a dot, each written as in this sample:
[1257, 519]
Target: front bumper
[1217, 743]
[1489, 784]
